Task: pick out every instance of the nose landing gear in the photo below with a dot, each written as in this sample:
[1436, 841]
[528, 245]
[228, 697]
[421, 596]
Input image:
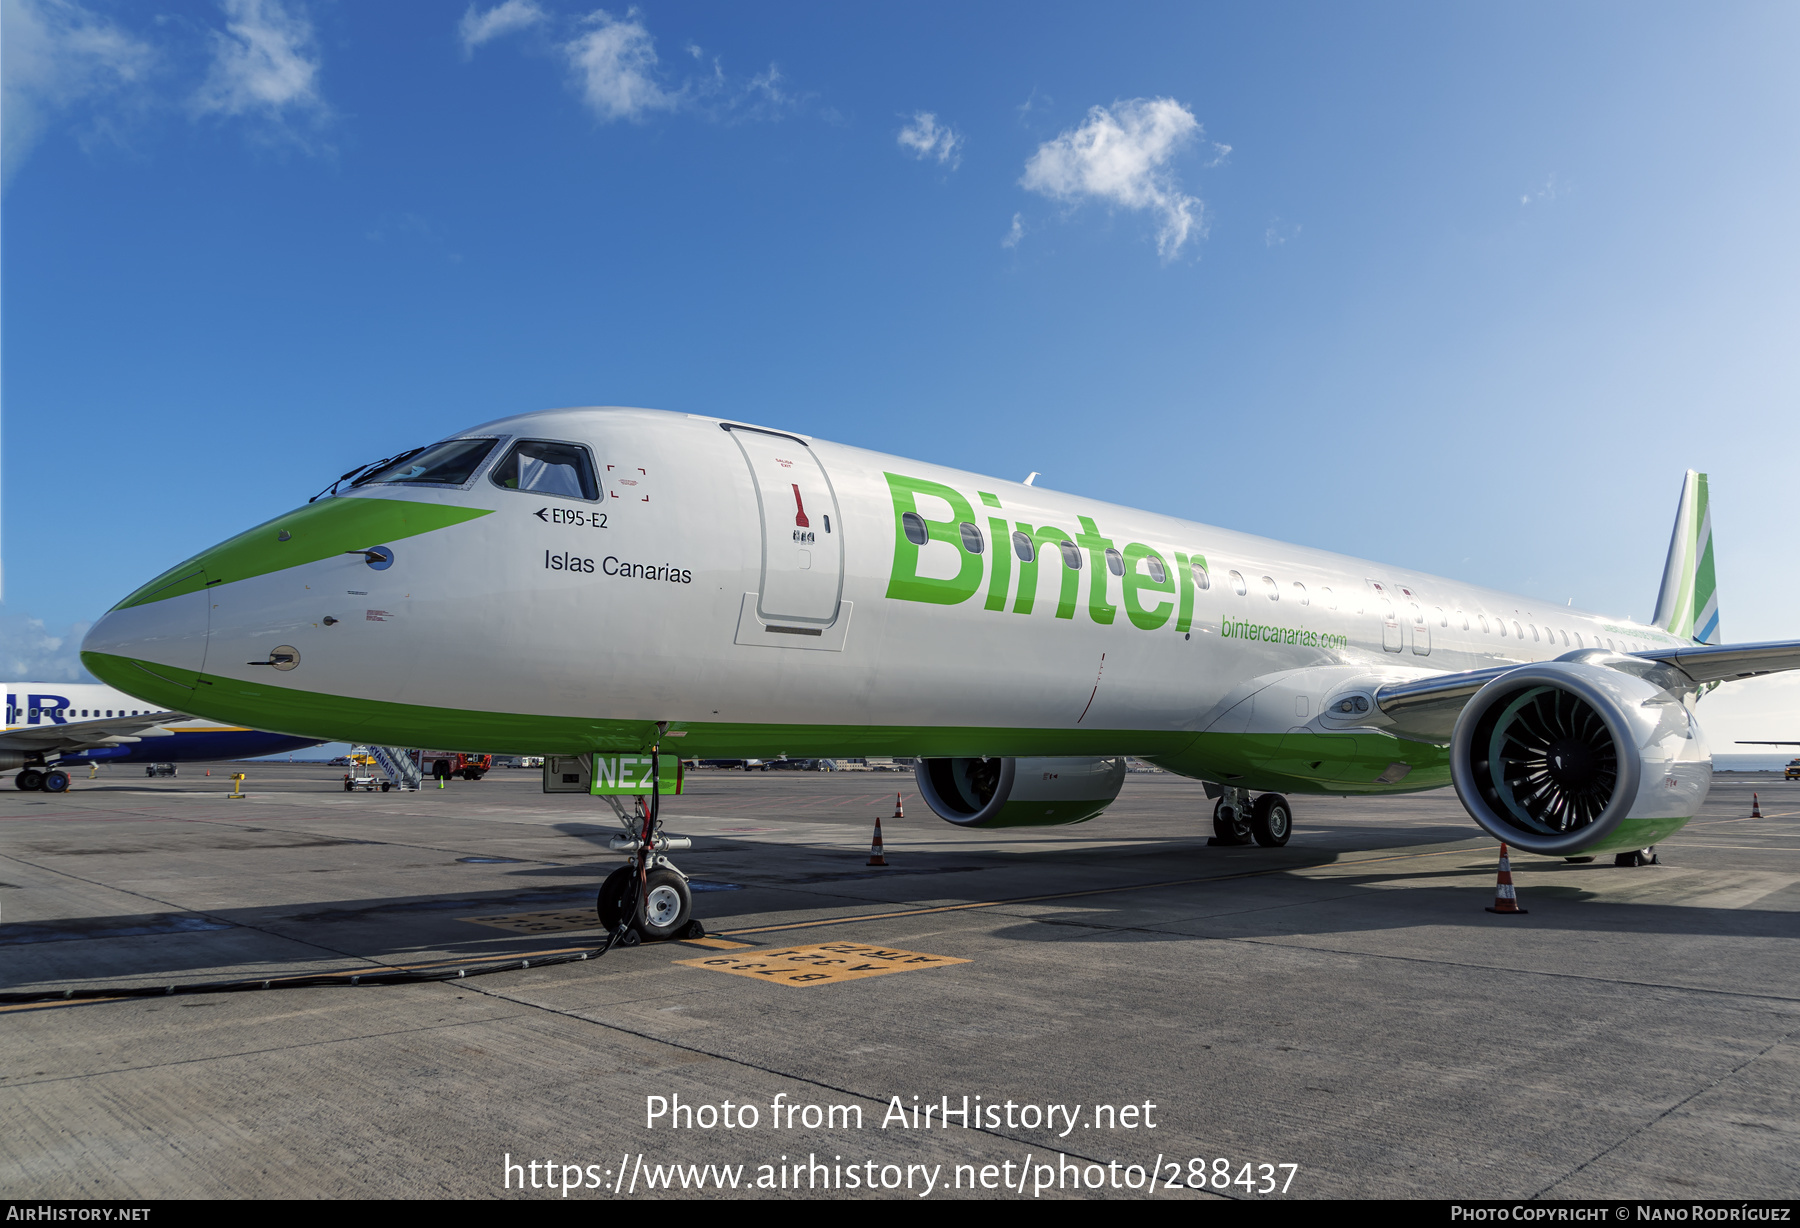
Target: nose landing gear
[648, 898]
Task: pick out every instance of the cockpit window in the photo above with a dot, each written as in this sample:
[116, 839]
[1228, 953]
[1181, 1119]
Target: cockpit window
[450, 463]
[548, 469]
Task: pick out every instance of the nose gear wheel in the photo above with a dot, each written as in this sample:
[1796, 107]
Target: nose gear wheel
[668, 906]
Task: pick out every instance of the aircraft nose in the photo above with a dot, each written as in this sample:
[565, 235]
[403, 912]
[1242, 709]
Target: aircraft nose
[153, 643]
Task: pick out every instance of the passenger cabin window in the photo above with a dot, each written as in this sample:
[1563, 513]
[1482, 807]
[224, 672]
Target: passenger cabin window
[1442, 621]
[1021, 547]
[1329, 598]
[1418, 614]
[1237, 584]
[1272, 588]
[972, 538]
[1534, 634]
[1517, 630]
[1501, 623]
[1071, 556]
[1157, 571]
[1300, 594]
[450, 463]
[913, 525]
[1201, 578]
[1578, 642]
[1115, 562]
[1565, 639]
[546, 468]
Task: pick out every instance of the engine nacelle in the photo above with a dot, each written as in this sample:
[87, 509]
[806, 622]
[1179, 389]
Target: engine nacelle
[1567, 757]
[1019, 792]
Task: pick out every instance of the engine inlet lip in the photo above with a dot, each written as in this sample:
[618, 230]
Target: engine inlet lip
[1563, 677]
[940, 805]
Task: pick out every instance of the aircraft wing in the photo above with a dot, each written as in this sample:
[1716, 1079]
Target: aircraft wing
[79, 735]
[1726, 662]
[1425, 709]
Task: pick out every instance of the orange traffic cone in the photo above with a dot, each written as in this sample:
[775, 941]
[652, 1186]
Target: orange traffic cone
[1504, 899]
[875, 857]
[1755, 810]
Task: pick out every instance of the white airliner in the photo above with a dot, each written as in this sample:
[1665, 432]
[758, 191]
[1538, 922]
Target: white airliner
[594, 580]
[53, 726]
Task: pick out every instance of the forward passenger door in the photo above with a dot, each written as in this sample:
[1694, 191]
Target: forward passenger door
[802, 533]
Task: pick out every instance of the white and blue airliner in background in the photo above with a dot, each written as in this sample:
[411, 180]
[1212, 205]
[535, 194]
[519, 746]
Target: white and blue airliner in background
[52, 726]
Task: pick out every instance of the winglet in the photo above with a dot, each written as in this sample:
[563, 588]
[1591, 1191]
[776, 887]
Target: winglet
[1688, 604]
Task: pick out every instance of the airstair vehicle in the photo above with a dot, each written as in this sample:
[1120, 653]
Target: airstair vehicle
[399, 768]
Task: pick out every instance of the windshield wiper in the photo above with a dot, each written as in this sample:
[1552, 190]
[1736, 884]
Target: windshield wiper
[364, 472]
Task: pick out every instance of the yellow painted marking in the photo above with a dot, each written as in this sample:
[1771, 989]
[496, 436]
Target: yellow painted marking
[717, 944]
[541, 922]
[824, 963]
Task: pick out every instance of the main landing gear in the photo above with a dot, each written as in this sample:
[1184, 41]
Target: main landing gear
[1269, 820]
[36, 779]
[1638, 857]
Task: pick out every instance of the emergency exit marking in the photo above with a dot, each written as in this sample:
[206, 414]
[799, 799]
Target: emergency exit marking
[824, 963]
[541, 922]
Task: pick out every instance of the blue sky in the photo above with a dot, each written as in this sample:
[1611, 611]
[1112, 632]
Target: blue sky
[1461, 288]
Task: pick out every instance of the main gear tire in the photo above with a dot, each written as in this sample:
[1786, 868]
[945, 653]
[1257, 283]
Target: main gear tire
[1235, 831]
[1271, 820]
[30, 780]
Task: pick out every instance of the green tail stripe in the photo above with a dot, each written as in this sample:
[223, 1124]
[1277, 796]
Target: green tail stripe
[1687, 604]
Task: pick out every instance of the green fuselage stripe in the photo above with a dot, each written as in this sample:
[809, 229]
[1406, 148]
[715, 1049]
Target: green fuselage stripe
[1291, 763]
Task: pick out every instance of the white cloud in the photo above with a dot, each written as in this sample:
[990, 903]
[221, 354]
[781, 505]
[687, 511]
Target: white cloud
[263, 64]
[1279, 232]
[30, 653]
[1015, 234]
[926, 138]
[54, 54]
[1548, 192]
[763, 92]
[1122, 156]
[478, 28]
[614, 61]
[1032, 103]
[614, 67]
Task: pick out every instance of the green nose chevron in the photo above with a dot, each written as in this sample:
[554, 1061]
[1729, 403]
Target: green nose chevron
[305, 535]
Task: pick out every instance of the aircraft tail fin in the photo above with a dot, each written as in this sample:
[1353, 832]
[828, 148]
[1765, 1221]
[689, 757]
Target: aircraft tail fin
[1688, 604]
